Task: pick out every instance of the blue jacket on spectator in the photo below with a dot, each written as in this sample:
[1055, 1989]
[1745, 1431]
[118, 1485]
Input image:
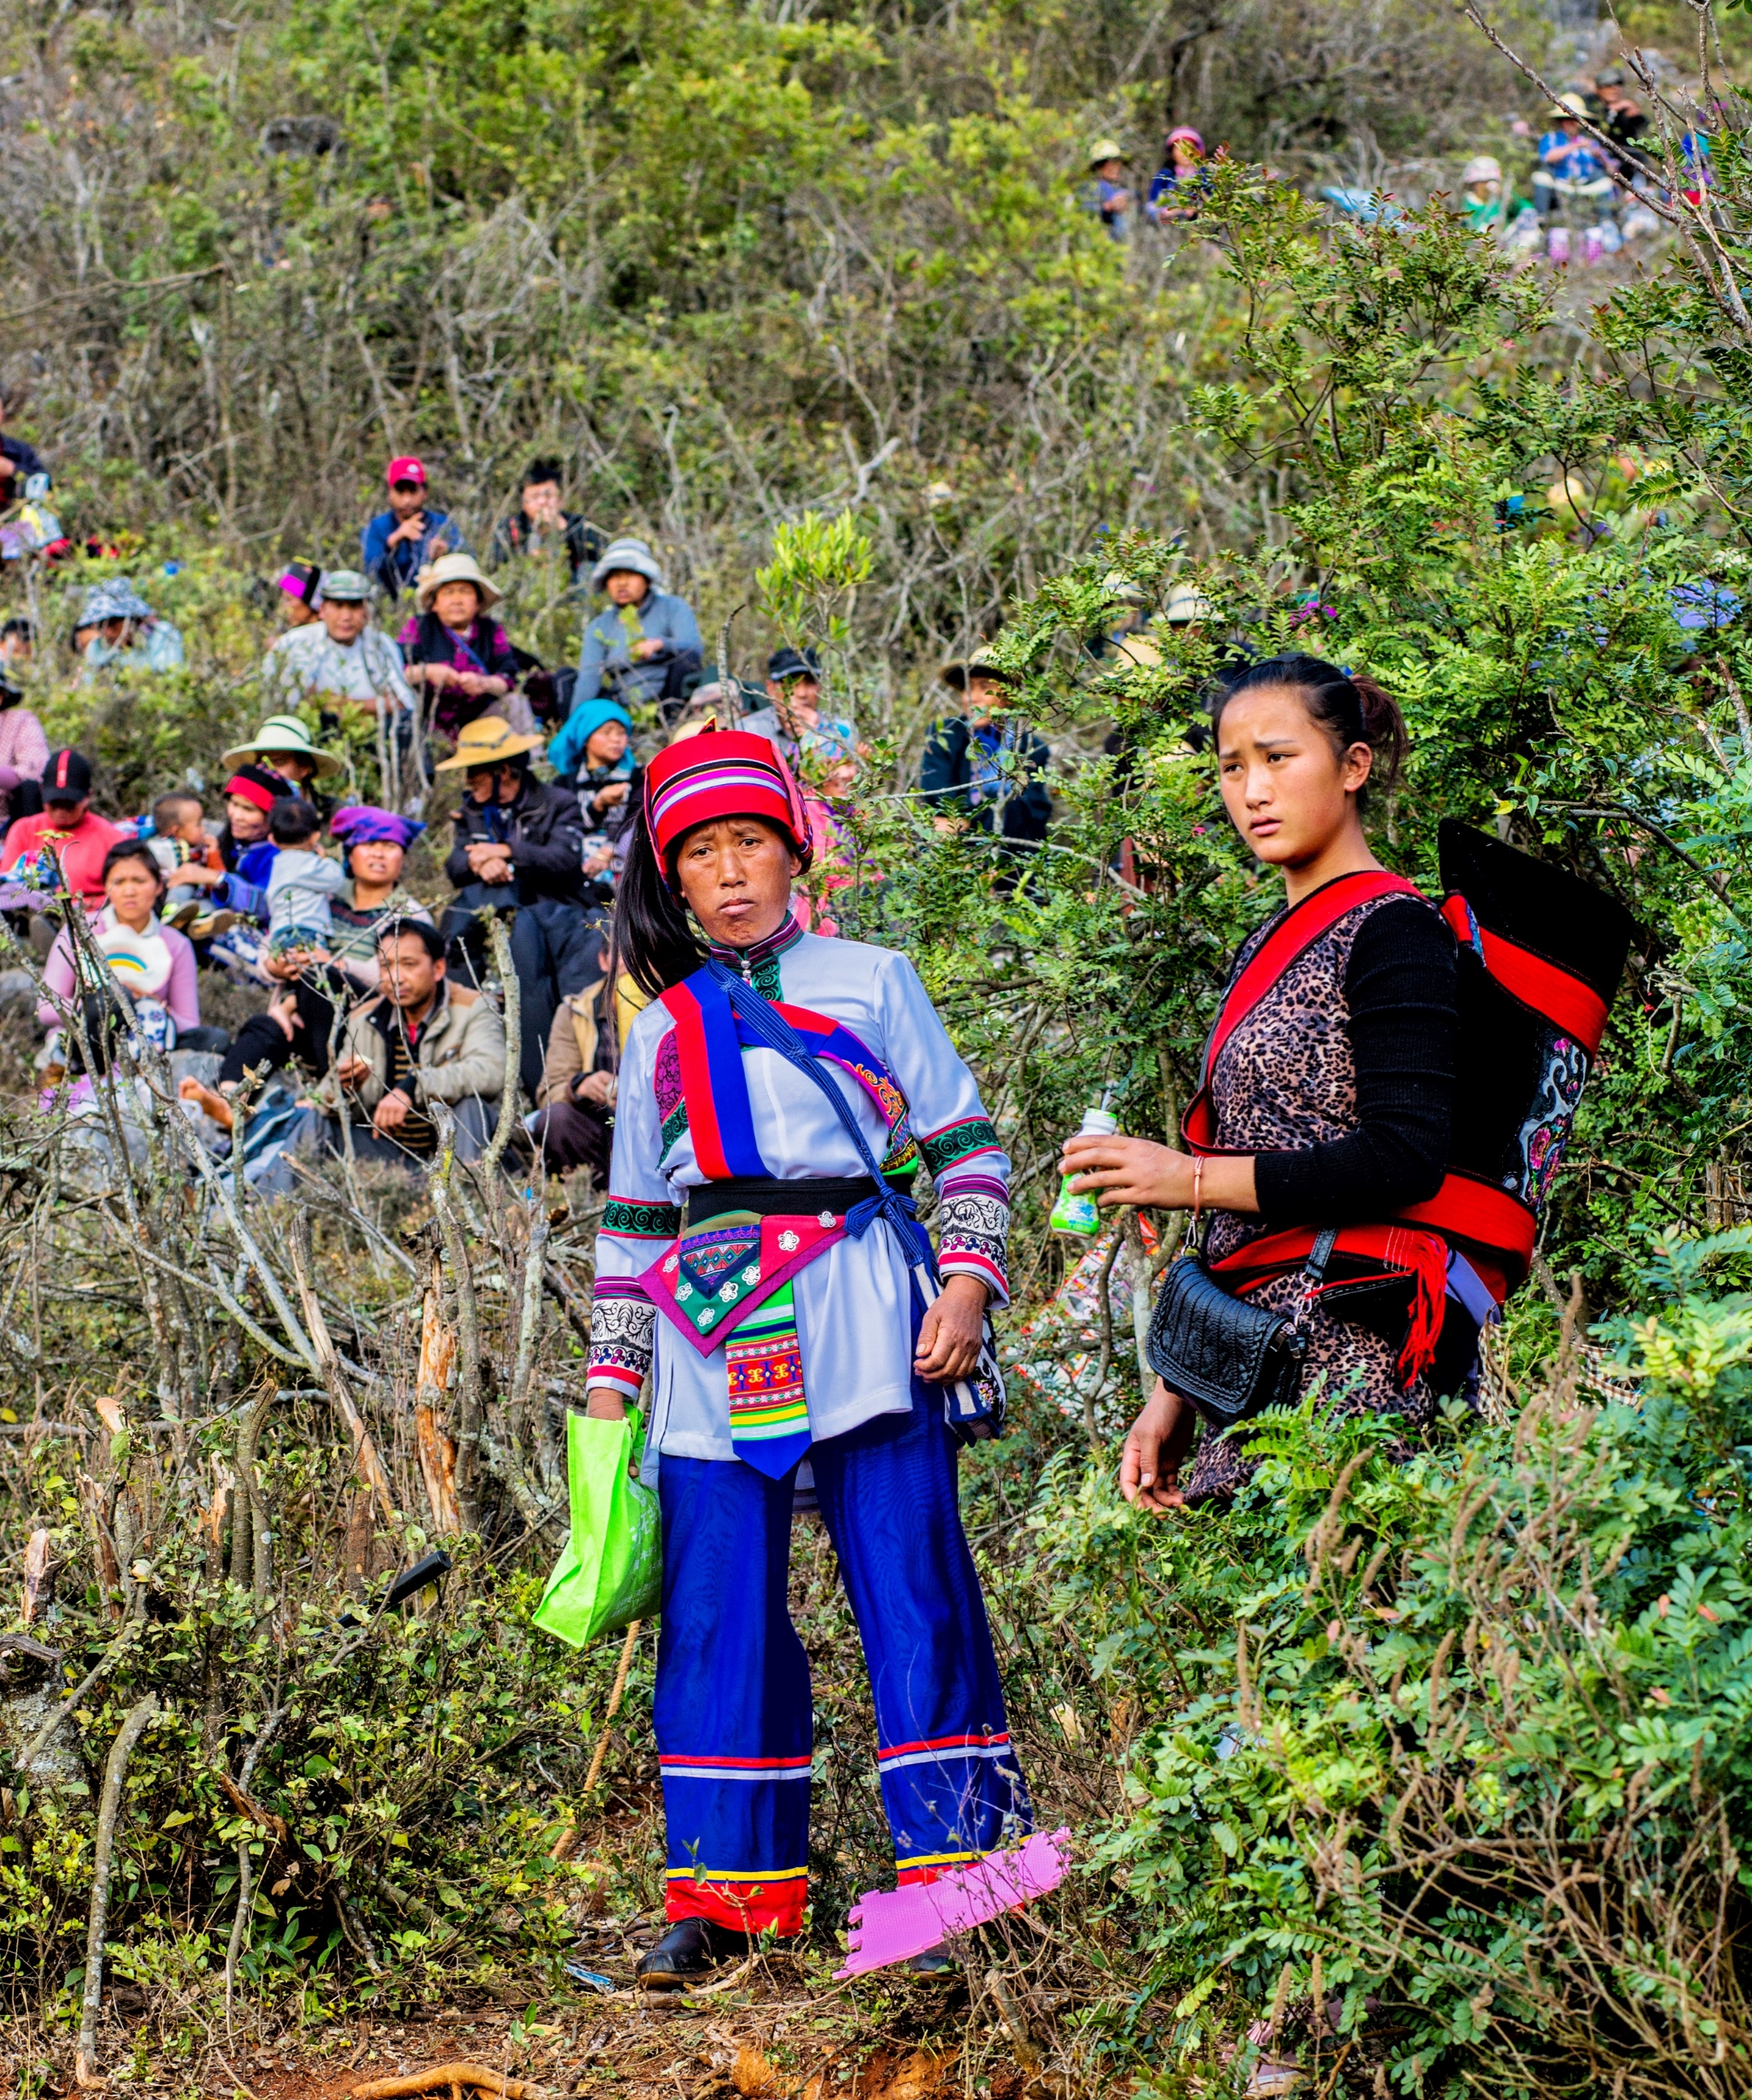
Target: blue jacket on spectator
[393, 571]
[605, 667]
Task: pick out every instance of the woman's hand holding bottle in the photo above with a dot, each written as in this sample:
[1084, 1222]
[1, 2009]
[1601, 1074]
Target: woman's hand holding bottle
[1133, 1170]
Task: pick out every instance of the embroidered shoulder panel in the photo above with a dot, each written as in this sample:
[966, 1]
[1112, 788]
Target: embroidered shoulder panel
[941, 1151]
[666, 1081]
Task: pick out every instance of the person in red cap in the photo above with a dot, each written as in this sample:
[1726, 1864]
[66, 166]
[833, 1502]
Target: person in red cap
[409, 536]
[65, 835]
[761, 1261]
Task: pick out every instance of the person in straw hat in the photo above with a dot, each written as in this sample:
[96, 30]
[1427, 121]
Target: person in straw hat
[283, 745]
[519, 848]
[1572, 166]
[460, 654]
[1110, 194]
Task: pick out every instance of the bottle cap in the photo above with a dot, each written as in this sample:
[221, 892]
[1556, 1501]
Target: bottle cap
[1098, 1122]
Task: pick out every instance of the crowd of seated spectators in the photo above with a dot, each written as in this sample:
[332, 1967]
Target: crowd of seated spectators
[377, 1020]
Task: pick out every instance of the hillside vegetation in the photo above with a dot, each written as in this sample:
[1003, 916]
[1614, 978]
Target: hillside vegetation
[1434, 1776]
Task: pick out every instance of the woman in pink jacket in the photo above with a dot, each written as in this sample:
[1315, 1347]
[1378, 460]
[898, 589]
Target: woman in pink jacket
[153, 963]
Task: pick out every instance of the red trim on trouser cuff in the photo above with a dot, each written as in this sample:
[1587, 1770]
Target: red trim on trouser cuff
[741, 1906]
[921, 1877]
[1564, 1000]
[985, 1740]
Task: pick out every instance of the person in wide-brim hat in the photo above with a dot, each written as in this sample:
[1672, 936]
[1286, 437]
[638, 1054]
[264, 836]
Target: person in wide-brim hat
[487, 741]
[644, 646]
[283, 734]
[457, 650]
[456, 569]
[630, 555]
[984, 756]
[519, 842]
[980, 664]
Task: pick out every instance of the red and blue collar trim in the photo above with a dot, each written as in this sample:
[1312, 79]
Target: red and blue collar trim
[708, 1045]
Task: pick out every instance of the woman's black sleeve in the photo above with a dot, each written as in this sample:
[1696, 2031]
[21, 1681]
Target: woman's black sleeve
[502, 658]
[1400, 988]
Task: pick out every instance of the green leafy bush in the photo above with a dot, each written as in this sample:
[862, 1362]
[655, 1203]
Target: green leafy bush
[1452, 1774]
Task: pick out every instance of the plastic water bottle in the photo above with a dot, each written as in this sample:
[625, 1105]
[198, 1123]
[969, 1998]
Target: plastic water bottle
[1072, 1213]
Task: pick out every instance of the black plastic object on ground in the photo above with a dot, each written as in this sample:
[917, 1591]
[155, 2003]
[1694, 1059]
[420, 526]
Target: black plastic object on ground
[432, 1568]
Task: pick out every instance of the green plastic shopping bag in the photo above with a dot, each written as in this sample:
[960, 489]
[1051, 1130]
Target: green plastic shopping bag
[611, 1570]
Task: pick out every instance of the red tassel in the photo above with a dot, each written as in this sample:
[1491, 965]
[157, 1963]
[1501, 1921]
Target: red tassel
[1424, 1257]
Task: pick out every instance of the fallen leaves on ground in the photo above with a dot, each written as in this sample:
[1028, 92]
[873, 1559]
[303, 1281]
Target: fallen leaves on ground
[751, 2073]
[924, 2072]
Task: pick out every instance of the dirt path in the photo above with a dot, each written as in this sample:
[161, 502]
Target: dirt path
[770, 2036]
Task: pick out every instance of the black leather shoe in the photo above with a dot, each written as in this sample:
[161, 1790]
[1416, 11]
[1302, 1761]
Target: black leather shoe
[690, 1948]
[935, 1961]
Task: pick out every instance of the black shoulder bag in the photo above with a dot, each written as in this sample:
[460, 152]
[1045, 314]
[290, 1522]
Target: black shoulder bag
[1231, 1359]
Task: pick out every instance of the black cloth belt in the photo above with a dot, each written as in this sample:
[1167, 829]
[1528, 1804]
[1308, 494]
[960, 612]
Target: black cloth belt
[769, 1198]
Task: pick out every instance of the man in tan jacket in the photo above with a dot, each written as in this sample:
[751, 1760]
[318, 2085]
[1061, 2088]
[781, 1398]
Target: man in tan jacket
[576, 1096]
[421, 1039]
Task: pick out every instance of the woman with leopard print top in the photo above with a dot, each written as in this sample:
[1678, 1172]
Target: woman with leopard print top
[1328, 1103]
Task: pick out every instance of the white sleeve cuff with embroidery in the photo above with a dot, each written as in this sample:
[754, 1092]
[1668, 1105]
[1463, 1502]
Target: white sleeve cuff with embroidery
[973, 1234]
[623, 1340]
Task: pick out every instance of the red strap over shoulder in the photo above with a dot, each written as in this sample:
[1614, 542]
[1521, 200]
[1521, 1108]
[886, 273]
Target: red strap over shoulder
[1288, 941]
[1565, 999]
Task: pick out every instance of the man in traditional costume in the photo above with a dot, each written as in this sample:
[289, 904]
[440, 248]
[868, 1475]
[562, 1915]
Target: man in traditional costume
[761, 1265]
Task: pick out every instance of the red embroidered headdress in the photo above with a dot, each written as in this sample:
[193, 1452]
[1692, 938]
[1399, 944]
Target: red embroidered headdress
[721, 772]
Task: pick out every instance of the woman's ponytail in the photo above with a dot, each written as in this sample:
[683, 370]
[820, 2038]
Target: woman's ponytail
[654, 941]
[1384, 730]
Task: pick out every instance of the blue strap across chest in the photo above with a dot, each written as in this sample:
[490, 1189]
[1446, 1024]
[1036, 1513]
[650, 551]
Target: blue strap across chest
[751, 1020]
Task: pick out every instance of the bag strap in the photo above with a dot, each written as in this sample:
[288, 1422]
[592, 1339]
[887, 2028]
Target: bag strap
[1313, 1274]
[1293, 935]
